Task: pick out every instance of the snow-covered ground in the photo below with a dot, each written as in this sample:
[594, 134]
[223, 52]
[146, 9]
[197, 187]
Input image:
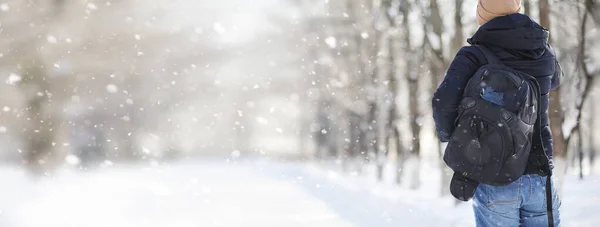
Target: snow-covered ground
[211, 193]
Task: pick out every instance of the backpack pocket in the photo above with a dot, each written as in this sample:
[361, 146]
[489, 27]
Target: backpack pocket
[478, 146]
[499, 86]
[515, 164]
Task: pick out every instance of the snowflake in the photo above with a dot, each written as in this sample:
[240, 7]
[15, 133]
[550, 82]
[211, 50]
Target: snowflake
[111, 88]
[4, 7]
[51, 39]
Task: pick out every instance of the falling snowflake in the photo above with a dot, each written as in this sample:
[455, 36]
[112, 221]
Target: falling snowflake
[218, 28]
[4, 7]
[13, 78]
[3, 129]
[92, 6]
[364, 35]
[72, 160]
[137, 37]
[51, 39]
[111, 88]
[262, 120]
[107, 163]
[331, 42]
[235, 154]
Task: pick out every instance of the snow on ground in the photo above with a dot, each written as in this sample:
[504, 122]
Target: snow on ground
[215, 193]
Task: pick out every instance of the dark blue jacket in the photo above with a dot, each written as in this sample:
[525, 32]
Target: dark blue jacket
[520, 43]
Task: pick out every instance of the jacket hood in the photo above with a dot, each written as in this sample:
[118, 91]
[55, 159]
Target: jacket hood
[515, 32]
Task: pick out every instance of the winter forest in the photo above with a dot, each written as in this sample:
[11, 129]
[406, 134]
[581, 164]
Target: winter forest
[270, 113]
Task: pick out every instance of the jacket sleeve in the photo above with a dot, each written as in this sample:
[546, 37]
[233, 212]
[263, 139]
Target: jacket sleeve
[448, 95]
[547, 143]
[558, 73]
[557, 77]
[546, 130]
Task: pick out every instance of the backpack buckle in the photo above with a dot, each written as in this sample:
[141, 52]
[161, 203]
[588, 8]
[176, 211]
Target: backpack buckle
[505, 115]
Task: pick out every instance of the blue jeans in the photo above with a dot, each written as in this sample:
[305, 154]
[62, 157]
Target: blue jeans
[521, 203]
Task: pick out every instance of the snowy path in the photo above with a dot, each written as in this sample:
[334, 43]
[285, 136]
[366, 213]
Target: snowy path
[218, 194]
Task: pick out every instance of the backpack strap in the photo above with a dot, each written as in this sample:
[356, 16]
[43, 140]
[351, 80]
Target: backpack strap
[489, 56]
[549, 206]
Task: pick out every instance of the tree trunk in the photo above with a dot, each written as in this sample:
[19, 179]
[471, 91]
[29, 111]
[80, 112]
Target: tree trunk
[343, 139]
[354, 139]
[580, 152]
[373, 48]
[592, 135]
[438, 64]
[389, 129]
[414, 124]
[544, 8]
[413, 99]
[363, 142]
[373, 137]
[41, 130]
[593, 8]
[383, 152]
[393, 133]
[400, 155]
[527, 7]
[555, 111]
[458, 40]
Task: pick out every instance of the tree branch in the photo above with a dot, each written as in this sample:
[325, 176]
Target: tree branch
[594, 10]
[587, 75]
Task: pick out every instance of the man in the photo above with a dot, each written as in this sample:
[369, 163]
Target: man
[521, 44]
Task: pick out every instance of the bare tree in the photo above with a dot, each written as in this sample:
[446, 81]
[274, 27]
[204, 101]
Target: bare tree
[588, 77]
[593, 149]
[527, 7]
[413, 83]
[438, 63]
[393, 132]
[593, 8]
[457, 42]
[555, 111]
[43, 124]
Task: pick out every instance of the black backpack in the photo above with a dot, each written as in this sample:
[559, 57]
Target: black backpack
[497, 127]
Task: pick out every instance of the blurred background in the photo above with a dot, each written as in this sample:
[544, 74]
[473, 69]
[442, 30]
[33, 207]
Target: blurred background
[257, 113]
